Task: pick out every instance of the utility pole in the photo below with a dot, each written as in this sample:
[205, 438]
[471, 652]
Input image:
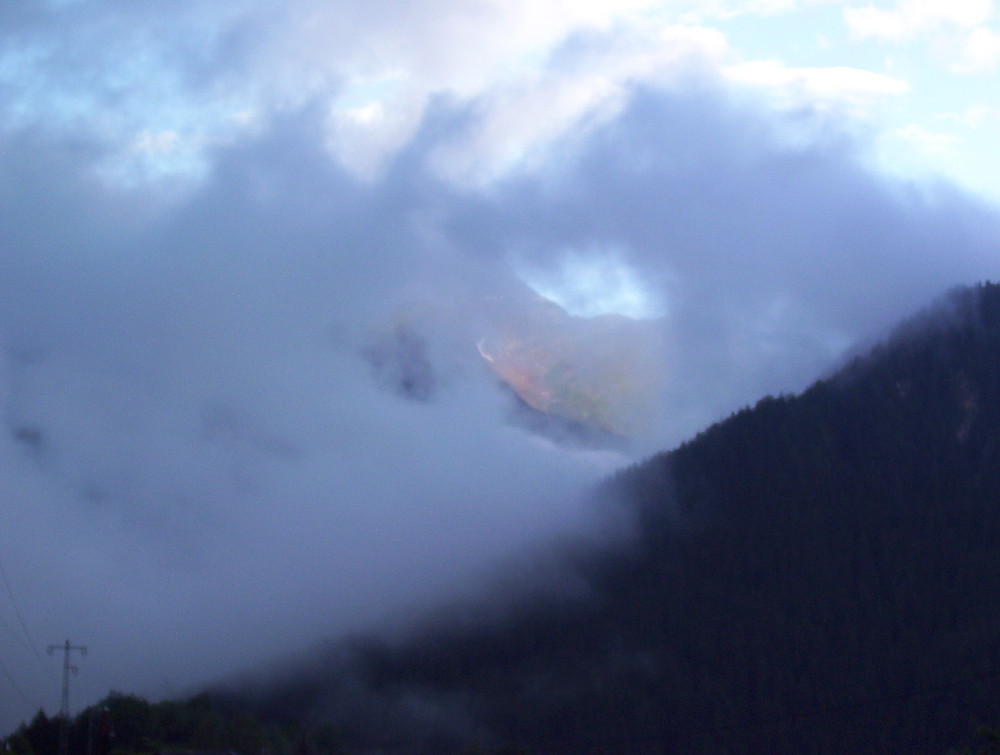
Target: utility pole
[64, 706]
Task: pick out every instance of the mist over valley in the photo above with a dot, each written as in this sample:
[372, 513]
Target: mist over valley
[337, 340]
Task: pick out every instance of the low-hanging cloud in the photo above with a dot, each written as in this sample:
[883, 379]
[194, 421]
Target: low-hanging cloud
[200, 467]
[204, 470]
[771, 255]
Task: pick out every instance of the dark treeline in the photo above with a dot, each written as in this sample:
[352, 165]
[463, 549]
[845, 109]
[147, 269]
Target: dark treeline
[818, 573]
[125, 725]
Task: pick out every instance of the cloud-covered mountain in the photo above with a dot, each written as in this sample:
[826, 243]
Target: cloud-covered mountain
[591, 380]
[813, 574]
[202, 466]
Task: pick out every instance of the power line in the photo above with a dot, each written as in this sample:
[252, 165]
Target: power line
[27, 641]
[5, 673]
[16, 635]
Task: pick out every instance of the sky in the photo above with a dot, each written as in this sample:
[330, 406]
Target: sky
[211, 212]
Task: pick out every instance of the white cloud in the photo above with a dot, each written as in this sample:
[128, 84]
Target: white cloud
[929, 142]
[910, 18]
[119, 69]
[979, 115]
[586, 83]
[976, 52]
[363, 138]
[960, 33]
[160, 143]
[851, 90]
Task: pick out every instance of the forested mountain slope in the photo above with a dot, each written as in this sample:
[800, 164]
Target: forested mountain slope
[817, 573]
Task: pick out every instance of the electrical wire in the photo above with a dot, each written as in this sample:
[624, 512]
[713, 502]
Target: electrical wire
[16, 635]
[5, 673]
[27, 641]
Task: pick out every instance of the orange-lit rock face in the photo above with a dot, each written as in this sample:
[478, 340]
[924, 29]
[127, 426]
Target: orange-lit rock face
[601, 371]
[524, 375]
